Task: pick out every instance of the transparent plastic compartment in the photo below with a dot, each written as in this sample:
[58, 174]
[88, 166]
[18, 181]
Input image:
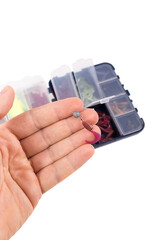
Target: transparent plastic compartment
[37, 95]
[30, 92]
[19, 105]
[129, 123]
[63, 83]
[87, 81]
[105, 72]
[111, 88]
[120, 105]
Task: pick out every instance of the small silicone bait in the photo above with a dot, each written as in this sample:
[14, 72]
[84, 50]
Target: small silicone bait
[104, 123]
[97, 136]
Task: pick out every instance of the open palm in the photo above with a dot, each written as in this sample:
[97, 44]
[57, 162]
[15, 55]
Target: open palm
[38, 149]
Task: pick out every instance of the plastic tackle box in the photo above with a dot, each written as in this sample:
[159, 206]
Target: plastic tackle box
[98, 86]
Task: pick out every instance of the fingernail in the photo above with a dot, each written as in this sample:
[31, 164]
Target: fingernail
[4, 90]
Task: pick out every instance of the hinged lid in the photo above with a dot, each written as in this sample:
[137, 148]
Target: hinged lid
[63, 83]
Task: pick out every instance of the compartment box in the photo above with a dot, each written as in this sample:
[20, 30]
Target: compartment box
[100, 88]
[97, 85]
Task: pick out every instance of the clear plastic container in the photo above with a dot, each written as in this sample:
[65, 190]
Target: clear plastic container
[129, 123]
[120, 105]
[63, 83]
[37, 95]
[105, 72]
[87, 82]
[19, 105]
[111, 88]
[30, 92]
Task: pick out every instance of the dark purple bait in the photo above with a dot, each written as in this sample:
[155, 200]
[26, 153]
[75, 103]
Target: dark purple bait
[97, 136]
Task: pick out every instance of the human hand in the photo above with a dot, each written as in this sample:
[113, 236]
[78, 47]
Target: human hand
[38, 149]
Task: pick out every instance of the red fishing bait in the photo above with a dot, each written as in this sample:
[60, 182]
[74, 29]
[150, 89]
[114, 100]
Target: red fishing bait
[104, 123]
[96, 135]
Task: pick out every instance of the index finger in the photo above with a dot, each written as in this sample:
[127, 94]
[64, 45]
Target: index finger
[35, 119]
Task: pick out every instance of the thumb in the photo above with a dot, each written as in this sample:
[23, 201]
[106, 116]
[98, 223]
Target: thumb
[6, 101]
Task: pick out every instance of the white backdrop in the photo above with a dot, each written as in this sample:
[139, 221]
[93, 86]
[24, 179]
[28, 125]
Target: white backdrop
[116, 195]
